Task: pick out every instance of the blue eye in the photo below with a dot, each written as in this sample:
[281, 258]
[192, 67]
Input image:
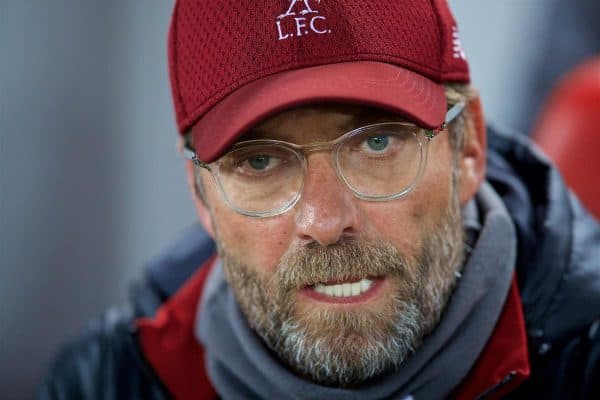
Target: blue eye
[378, 143]
[259, 162]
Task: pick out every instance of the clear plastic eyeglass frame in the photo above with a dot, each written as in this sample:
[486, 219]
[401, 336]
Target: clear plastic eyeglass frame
[334, 145]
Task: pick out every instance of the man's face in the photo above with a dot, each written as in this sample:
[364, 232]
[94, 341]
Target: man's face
[402, 253]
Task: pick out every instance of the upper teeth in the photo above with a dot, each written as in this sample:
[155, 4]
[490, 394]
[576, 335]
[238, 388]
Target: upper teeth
[345, 289]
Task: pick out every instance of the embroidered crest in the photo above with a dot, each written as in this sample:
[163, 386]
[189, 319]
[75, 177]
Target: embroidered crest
[306, 20]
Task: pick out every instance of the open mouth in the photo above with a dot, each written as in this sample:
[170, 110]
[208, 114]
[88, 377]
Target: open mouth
[344, 292]
[345, 289]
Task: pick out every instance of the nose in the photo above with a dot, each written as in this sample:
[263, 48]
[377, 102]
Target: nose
[327, 211]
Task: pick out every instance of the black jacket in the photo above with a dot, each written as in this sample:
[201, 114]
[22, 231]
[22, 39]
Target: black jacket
[558, 270]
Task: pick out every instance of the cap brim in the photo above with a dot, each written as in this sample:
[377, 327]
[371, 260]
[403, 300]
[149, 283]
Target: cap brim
[363, 82]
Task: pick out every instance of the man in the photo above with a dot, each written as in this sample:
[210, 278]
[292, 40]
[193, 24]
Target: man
[338, 156]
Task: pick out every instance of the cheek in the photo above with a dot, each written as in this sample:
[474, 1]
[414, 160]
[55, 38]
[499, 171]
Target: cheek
[257, 242]
[405, 221]
[398, 222]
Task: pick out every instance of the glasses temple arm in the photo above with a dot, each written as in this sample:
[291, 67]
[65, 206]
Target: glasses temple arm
[453, 112]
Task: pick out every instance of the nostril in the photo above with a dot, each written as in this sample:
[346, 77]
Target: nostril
[349, 232]
[325, 225]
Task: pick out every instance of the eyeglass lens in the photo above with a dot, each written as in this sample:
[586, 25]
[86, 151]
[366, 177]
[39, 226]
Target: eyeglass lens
[381, 161]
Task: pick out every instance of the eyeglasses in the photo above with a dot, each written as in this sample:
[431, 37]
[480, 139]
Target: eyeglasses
[378, 162]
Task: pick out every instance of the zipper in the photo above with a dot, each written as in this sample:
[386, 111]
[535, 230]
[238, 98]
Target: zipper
[497, 386]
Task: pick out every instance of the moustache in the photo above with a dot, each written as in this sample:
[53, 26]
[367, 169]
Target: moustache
[347, 260]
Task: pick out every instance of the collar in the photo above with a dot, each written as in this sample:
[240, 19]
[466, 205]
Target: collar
[168, 343]
[504, 363]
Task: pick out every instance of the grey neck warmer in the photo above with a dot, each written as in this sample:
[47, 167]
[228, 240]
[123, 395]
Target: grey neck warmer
[240, 366]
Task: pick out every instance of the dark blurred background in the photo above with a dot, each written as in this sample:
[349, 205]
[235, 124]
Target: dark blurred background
[91, 186]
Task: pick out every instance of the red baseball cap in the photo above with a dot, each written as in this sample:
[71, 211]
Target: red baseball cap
[234, 63]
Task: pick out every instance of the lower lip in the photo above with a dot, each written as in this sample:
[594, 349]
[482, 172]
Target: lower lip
[373, 290]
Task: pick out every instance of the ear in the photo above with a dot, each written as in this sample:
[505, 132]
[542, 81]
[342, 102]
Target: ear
[201, 205]
[472, 159]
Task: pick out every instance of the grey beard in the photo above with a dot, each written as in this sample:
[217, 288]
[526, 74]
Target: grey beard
[345, 348]
[343, 358]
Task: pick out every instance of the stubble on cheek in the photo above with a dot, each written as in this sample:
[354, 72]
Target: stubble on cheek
[258, 245]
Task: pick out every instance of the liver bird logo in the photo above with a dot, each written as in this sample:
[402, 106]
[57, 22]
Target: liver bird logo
[306, 10]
